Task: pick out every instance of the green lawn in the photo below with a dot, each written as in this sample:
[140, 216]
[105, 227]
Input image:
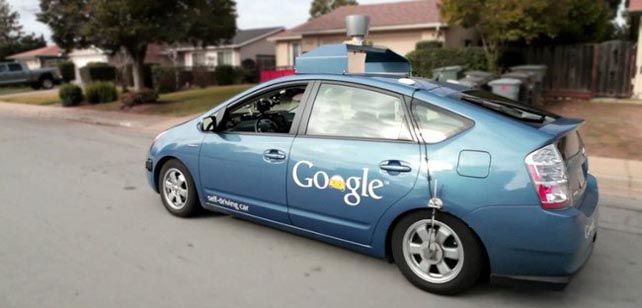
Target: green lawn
[174, 104]
[12, 90]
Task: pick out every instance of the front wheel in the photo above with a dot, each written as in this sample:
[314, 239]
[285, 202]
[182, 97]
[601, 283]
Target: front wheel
[443, 258]
[177, 190]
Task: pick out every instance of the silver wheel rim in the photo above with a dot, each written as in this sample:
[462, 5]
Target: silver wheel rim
[175, 190]
[47, 83]
[440, 264]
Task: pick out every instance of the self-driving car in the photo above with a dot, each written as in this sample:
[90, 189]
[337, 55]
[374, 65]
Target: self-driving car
[448, 182]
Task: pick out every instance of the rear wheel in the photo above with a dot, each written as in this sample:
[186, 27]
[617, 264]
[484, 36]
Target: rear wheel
[444, 259]
[177, 190]
[46, 83]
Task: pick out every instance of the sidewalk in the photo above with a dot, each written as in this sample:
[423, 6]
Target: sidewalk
[148, 123]
[616, 177]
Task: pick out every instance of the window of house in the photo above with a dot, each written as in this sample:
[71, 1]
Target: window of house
[266, 62]
[295, 52]
[437, 125]
[225, 57]
[198, 59]
[346, 111]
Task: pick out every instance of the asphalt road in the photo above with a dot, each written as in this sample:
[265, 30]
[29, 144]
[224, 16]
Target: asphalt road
[79, 227]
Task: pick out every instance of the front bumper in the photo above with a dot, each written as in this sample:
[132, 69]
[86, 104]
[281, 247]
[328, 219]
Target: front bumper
[530, 243]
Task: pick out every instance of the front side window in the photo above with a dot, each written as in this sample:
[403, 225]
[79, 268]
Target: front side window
[345, 111]
[437, 125]
[15, 67]
[272, 112]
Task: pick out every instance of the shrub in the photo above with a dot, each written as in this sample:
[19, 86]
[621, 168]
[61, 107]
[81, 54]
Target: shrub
[67, 70]
[250, 71]
[143, 96]
[70, 95]
[424, 60]
[203, 77]
[226, 75]
[97, 71]
[429, 44]
[164, 79]
[101, 92]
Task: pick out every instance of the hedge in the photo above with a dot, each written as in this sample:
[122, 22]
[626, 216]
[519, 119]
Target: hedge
[97, 71]
[70, 95]
[428, 57]
[101, 92]
[67, 70]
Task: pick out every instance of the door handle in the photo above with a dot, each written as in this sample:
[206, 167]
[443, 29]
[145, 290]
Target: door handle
[274, 155]
[395, 166]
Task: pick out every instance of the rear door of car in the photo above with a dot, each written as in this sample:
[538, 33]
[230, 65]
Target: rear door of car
[353, 158]
[16, 73]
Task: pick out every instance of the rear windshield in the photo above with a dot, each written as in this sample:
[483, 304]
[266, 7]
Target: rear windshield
[524, 113]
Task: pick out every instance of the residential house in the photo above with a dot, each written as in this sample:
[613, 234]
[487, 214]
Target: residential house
[398, 26]
[246, 44]
[48, 56]
[635, 11]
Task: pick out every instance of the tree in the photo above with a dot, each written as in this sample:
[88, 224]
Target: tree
[500, 21]
[10, 29]
[12, 38]
[322, 7]
[129, 26]
[586, 21]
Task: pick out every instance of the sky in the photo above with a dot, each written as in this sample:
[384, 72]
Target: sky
[252, 13]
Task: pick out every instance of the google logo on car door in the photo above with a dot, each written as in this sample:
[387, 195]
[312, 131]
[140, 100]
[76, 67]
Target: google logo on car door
[356, 187]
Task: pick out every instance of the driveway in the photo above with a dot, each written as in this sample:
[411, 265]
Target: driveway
[81, 228]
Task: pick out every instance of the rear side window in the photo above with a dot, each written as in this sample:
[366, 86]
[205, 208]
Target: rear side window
[437, 125]
[345, 111]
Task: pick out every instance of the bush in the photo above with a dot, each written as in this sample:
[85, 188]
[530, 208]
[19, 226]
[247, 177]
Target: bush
[424, 60]
[203, 77]
[67, 70]
[164, 79]
[249, 71]
[97, 71]
[70, 95]
[143, 96]
[101, 92]
[226, 75]
[429, 44]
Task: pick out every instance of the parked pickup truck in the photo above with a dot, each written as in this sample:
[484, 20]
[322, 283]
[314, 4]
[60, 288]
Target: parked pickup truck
[19, 74]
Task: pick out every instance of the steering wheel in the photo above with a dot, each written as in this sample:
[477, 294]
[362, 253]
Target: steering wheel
[265, 125]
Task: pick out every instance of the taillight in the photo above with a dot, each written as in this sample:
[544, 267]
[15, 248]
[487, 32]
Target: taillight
[548, 171]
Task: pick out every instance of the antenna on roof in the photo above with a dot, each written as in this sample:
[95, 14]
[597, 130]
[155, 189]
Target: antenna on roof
[357, 28]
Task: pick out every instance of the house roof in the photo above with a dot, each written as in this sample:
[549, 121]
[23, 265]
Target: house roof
[49, 51]
[242, 38]
[383, 16]
[635, 6]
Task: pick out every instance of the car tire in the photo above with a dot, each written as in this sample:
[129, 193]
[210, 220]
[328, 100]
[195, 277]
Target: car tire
[177, 190]
[47, 83]
[455, 248]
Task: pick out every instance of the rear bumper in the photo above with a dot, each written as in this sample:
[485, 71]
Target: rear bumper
[533, 244]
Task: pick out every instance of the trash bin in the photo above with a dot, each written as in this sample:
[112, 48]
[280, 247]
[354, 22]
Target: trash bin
[476, 79]
[529, 85]
[506, 87]
[444, 74]
[538, 70]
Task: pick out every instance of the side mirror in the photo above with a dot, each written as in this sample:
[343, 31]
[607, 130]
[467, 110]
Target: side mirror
[208, 124]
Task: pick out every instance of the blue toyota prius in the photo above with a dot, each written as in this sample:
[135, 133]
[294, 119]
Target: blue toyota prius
[446, 181]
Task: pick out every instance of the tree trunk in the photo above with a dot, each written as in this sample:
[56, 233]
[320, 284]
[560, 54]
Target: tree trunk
[138, 58]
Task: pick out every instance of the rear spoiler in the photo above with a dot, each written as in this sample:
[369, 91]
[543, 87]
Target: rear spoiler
[562, 126]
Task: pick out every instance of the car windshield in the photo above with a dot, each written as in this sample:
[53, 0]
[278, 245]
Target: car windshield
[506, 107]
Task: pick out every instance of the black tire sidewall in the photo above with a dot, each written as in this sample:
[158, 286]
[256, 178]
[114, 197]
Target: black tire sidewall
[192, 205]
[473, 255]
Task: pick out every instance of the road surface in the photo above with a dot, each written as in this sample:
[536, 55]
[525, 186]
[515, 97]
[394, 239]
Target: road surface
[79, 227]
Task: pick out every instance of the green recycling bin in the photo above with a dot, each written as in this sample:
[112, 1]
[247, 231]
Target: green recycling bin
[506, 87]
[539, 71]
[444, 74]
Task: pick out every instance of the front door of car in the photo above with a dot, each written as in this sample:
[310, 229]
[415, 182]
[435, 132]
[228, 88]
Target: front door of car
[356, 158]
[243, 166]
[16, 74]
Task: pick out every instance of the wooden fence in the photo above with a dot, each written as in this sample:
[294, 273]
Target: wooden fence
[588, 70]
